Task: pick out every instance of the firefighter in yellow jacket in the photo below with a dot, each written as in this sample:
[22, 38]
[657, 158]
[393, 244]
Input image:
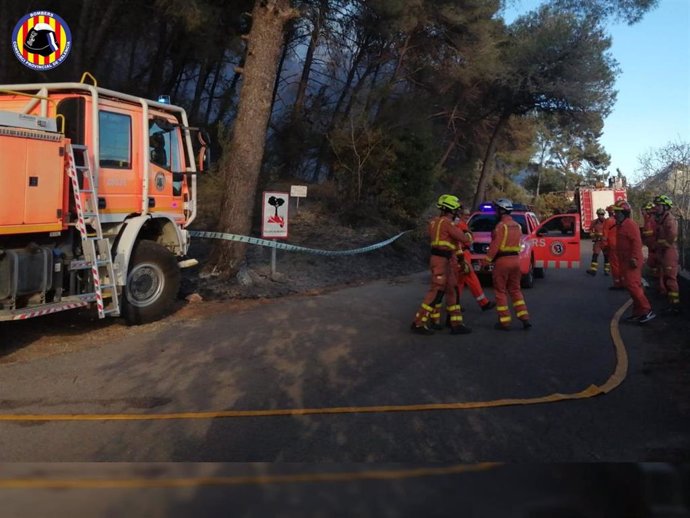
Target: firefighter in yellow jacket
[667, 251]
[445, 240]
[504, 251]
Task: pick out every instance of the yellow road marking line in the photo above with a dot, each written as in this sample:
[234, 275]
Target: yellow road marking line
[614, 381]
[295, 478]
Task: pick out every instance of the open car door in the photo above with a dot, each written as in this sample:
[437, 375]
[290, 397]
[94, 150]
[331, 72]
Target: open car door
[556, 242]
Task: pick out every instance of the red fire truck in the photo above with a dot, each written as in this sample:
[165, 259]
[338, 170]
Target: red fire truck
[589, 199]
[98, 188]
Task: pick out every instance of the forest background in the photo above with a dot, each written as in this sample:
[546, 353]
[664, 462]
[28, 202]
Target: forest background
[378, 105]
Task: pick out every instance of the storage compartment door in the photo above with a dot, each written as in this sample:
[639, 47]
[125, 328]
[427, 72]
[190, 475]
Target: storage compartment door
[44, 183]
[12, 181]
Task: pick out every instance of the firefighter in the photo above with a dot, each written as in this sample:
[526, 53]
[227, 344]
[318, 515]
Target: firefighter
[503, 251]
[648, 231]
[667, 253]
[610, 230]
[466, 275]
[445, 239]
[629, 252]
[597, 233]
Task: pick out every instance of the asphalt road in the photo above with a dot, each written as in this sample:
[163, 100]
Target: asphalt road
[351, 349]
[234, 378]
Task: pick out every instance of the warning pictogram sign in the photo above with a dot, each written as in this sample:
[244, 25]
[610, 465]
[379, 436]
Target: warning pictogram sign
[274, 216]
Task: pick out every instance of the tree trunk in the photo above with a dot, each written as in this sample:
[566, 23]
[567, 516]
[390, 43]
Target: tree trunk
[487, 166]
[81, 40]
[241, 163]
[212, 90]
[541, 168]
[336, 111]
[309, 60]
[204, 72]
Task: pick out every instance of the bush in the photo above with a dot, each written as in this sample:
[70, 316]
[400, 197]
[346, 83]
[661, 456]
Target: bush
[381, 174]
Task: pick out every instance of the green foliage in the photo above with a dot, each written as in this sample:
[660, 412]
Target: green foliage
[552, 203]
[381, 173]
[630, 11]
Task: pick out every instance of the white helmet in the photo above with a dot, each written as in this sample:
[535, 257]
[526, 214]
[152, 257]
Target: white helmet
[504, 203]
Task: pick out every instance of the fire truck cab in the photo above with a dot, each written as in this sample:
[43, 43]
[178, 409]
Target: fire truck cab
[98, 188]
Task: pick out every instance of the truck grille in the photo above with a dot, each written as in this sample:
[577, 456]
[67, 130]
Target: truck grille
[480, 248]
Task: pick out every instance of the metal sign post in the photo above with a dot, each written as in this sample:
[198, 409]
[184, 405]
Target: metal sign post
[274, 220]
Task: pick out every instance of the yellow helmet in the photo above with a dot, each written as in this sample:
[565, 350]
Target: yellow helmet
[663, 200]
[601, 212]
[448, 202]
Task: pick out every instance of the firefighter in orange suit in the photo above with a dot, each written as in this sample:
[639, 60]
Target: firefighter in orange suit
[466, 275]
[610, 246]
[667, 253]
[596, 231]
[648, 230]
[629, 252]
[503, 252]
[445, 239]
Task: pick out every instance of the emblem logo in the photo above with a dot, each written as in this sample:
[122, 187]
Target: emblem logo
[160, 181]
[41, 40]
[557, 248]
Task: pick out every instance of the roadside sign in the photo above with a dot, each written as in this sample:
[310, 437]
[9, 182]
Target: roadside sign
[274, 216]
[298, 191]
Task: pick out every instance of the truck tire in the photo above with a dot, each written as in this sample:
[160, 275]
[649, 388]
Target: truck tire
[527, 280]
[539, 273]
[152, 283]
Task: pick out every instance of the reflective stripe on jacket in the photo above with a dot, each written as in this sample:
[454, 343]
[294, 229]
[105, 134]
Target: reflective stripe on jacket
[444, 235]
[505, 238]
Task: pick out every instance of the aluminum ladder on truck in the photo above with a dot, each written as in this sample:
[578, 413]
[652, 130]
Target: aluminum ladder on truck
[96, 248]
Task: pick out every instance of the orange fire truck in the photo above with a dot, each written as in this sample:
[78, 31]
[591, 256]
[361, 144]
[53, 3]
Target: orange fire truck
[97, 190]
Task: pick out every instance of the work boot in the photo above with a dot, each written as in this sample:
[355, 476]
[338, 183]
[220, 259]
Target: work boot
[526, 324]
[460, 330]
[436, 326]
[489, 305]
[633, 318]
[591, 272]
[606, 274]
[500, 327]
[646, 318]
[420, 330]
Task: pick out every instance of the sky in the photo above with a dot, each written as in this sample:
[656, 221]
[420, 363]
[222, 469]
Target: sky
[653, 104]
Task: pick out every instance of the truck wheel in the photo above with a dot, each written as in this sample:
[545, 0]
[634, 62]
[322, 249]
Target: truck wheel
[527, 280]
[152, 283]
[539, 273]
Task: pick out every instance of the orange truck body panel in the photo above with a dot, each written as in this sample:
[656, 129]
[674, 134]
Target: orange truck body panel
[55, 234]
[33, 194]
[119, 186]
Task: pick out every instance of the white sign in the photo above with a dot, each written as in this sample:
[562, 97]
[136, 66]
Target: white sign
[298, 191]
[274, 216]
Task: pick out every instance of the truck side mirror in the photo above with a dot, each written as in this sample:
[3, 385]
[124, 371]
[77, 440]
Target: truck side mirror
[204, 156]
